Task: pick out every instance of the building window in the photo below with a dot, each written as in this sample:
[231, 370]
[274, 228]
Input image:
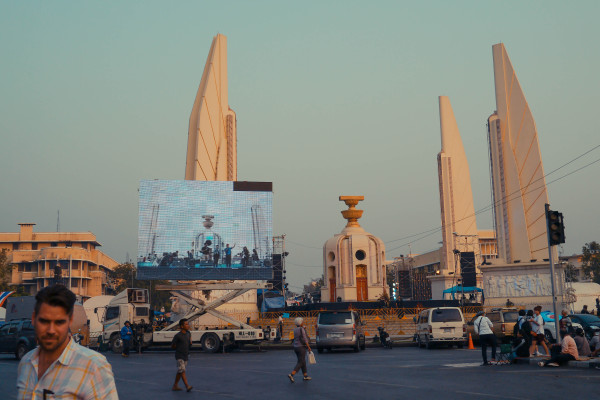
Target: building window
[15, 246]
[53, 244]
[34, 246]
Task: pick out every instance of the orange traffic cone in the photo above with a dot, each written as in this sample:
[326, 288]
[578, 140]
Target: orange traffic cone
[471, 347]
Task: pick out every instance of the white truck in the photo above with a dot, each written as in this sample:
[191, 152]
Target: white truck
[133, 305]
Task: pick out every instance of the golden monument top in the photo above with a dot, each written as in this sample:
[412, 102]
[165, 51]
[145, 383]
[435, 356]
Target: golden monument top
[352, 214]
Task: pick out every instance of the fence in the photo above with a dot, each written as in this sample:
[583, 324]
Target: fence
[396, 321]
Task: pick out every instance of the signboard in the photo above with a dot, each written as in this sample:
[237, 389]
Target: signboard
[205, 230]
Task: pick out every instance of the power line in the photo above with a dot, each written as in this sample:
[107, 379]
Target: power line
[505, 199]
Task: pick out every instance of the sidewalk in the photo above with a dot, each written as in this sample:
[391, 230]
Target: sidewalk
[588, 363]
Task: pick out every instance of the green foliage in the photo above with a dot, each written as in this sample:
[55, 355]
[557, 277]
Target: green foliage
[570, 273]
[124, 276]
[314, 286]
[591, 261]
[5, 277]
[5, 271]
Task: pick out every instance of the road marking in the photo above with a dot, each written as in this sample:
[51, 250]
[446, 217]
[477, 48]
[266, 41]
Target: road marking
[494, 395]
[377, 383]
[462, 365]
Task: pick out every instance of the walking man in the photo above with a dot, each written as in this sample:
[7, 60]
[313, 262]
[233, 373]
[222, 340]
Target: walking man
[59, 367]
[483, 327]
[126, 335]
[182, 343]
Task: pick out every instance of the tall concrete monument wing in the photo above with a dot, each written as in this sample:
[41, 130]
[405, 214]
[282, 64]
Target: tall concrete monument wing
[519, 187]
[459, 227]
[212, 136]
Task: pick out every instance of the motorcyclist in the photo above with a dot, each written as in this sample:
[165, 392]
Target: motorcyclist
[384, 337]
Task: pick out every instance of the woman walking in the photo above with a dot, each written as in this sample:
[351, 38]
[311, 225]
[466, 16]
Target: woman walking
[300, 345]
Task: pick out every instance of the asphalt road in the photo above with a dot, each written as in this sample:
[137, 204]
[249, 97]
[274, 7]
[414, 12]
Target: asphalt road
[400, 373]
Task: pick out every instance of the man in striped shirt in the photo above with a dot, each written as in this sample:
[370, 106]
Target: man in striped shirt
[59, 367]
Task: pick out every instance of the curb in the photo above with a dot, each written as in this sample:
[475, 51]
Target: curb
[572, 364]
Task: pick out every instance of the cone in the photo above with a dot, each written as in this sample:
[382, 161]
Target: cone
[471, 347]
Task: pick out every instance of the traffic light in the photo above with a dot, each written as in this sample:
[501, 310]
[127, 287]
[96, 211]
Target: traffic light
[556, 227]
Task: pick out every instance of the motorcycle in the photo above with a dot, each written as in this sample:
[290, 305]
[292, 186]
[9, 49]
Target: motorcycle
[384, 338]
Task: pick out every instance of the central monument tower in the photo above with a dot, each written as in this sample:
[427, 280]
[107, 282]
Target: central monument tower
[212, 134]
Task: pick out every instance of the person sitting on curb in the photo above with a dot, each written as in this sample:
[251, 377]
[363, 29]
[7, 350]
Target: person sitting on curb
[583, 346]
[568, 352]
[595, 343]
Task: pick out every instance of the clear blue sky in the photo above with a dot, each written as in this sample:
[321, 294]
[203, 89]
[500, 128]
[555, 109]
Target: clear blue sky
[332, 98]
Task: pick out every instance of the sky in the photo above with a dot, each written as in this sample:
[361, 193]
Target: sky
[332, 98]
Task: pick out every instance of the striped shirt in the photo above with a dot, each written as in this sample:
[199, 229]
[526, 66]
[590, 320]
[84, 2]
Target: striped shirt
[79, 373]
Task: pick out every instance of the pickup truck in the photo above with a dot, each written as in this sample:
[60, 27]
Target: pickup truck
[17, 337]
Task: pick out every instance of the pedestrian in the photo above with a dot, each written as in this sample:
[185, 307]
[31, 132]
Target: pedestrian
[568, 351]
[280, 326]
[182, 343]
[539, 337]
[483, 327]
[300, 344]
[59, 367]
[126, 335]
[584, 310]
[565, 321]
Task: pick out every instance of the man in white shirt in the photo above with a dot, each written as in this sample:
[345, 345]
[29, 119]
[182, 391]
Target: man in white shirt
[483, 327]
[538, 328]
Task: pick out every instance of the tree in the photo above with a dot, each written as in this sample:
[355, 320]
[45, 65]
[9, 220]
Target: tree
[591, 261]
[570, 273]
[5, 271]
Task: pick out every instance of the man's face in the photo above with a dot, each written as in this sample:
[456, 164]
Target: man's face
[536, 312]
[186, 326]
[51, 326]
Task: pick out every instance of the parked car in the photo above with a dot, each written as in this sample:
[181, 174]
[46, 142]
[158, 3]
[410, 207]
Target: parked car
[339, 329]
[503, 319]
[441, 325]
[17, 337]
[589, 323]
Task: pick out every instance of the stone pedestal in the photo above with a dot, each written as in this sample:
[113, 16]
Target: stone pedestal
[525, 284]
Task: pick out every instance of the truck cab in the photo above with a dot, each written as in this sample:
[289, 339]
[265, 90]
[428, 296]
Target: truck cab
[130, 305]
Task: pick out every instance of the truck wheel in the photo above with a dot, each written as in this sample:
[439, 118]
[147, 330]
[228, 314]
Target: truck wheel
[116, 344]
[210, 343]
[357, 346]
[21, 351]
[363, 346]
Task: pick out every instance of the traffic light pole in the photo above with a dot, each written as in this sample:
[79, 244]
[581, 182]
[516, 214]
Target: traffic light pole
[551, 258]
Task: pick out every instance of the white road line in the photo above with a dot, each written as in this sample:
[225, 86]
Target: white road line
[494, 395]
[462, 365]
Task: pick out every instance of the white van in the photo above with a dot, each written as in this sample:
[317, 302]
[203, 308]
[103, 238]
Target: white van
[441, 325]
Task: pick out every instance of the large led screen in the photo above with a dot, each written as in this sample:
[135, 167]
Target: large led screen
[198, 230]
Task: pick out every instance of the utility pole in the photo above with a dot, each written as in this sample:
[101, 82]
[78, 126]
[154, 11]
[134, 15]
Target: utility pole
[550, 229]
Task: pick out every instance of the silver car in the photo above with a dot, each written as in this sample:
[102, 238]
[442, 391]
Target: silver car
[339, 329]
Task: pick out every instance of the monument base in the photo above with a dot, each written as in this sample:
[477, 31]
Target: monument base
[522, 284]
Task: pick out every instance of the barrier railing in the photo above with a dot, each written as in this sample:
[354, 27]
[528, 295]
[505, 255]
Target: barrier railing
[396, 321]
